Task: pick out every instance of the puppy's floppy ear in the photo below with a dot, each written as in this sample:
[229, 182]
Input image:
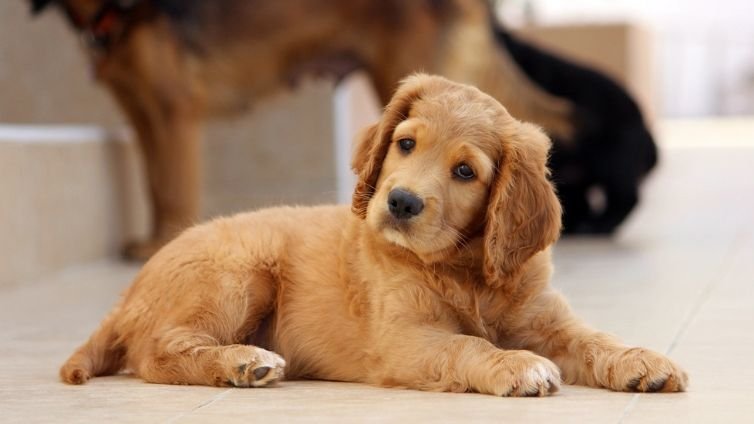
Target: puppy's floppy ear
[38, 5]
[362, 152]
[524, 214]
[376, 140]
[364, 141]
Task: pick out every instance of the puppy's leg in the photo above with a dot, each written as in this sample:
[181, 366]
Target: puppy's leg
[438, 360]
[547, 326]
[200, 339]
[102, 354]
[185, 356]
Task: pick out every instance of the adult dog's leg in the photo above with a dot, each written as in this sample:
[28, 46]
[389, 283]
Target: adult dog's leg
[172, 153]
[156, 96]
[170, 145]
[548, 327]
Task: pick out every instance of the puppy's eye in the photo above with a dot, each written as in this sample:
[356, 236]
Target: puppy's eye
[406, 145]
[463, 172]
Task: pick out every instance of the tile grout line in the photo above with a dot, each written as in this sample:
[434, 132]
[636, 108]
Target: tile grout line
[629, 407]
[701, 299]
[704, 294]
[207, 402]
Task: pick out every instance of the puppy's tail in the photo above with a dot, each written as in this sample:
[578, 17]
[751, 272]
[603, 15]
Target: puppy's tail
[102, 354]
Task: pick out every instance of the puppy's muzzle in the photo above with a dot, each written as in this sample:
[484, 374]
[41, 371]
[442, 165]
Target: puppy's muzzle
[403, 204]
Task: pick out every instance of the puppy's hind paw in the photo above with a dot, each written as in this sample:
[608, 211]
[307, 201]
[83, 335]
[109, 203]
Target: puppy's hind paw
[256, 367]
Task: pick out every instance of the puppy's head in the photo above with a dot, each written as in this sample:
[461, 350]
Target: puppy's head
[447, 163]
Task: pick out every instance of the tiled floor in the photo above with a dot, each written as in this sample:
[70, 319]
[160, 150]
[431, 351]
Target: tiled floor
[679, 278]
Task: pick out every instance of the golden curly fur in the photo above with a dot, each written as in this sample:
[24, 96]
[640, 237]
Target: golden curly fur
[453, 298]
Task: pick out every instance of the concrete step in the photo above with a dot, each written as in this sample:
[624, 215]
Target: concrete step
[69, 195]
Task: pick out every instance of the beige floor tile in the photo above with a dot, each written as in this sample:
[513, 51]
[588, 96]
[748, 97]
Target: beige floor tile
[716, 348]
[69, 195]
[111, 399]
[642, 284]
[340, 402]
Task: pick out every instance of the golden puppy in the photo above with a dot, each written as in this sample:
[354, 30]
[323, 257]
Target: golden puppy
[436, 279]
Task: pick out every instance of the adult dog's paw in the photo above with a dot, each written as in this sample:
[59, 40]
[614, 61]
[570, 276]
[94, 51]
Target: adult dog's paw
[642, 370]
[522, 373]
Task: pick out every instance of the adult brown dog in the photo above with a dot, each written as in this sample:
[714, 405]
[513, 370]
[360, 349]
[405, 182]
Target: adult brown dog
[436, 279]
[172, 63]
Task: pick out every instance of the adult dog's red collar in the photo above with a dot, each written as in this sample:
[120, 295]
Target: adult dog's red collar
[109, 23]
[102, 27]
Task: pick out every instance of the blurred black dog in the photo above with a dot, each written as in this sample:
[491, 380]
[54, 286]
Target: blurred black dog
[612, 151]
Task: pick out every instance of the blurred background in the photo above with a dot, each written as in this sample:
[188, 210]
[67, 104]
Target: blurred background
[699, 55]
[676, 277]
[71, 177]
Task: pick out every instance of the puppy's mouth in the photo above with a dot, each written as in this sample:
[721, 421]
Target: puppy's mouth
[391, 223]
[428, 243]
[398, 231]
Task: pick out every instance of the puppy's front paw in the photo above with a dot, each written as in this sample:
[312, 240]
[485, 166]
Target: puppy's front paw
[522, 373]
[642, 370]
[251, 366]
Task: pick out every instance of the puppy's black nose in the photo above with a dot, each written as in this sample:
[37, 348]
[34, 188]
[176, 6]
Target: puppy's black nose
[403, 204]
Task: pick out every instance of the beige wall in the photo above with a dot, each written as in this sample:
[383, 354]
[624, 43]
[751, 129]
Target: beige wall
[43, 72]
[622, 50]
[281, 152]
